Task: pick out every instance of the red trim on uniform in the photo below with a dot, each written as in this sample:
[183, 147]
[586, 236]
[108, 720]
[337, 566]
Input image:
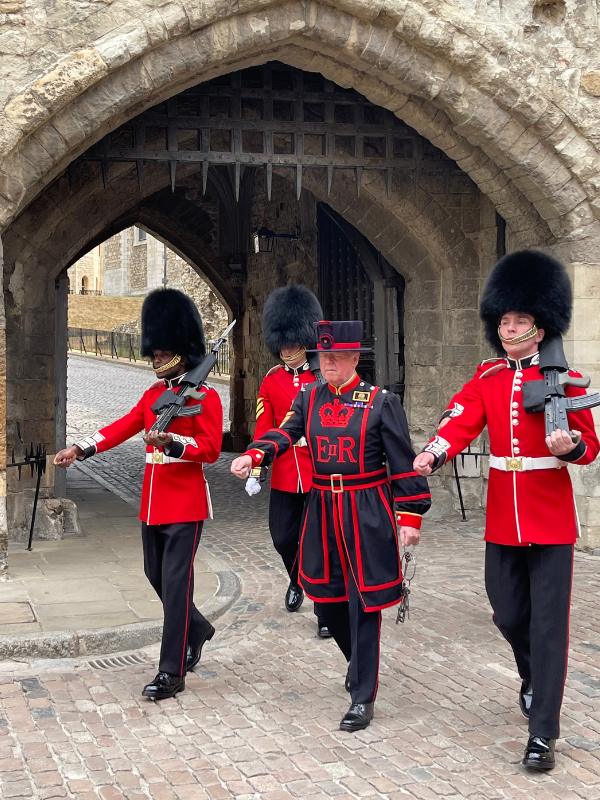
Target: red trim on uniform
[340, 599]
[401, 475]
[359, 562]
[338, 538]
[187, 603]
[352, 384]
[352, 476]
[408, 519]
[381, 607]
[378, 659]
[353, 487]
[326, 577]
[405, 497]
[364, 587]
[269, 441]
[311, 403]
[339, 346]
[568, 624]
[363, 428]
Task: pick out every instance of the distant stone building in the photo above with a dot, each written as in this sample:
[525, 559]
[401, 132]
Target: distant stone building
[132, 263]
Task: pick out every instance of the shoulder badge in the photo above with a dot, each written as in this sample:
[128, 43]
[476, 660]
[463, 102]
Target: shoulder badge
[273, 369]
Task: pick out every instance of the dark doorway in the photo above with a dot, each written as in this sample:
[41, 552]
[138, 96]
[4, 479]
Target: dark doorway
[356, 282]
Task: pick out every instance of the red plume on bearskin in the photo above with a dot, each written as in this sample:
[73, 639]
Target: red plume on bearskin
[171, 321]
[288, 318]
[531, 282]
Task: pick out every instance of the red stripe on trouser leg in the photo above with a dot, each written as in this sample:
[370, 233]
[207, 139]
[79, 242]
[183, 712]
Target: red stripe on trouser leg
[187, 604]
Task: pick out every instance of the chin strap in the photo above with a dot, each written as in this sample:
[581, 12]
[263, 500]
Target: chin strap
[289, 360]
[524, 337]
[169, 365]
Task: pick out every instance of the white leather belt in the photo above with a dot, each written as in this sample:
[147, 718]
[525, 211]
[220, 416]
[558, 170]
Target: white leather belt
[524, 463]
[161, 458]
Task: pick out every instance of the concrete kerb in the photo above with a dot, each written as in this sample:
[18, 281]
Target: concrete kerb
[110, 640]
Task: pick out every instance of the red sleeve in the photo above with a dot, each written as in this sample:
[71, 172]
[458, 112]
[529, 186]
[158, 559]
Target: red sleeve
[205, 444]
[463, 427]
[265, 415]
[117, 432]
[582, 421]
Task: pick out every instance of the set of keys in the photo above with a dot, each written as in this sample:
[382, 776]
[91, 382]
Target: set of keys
[409, 568]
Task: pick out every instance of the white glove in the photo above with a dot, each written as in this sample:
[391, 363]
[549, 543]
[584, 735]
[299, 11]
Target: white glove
[252, 486]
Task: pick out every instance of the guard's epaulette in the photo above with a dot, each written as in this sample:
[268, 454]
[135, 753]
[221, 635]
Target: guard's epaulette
[496, 364]
[158, 385]
[274, 369]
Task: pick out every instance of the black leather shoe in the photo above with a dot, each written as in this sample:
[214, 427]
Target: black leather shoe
[194, 651]
[323, 631]
[347, 681]
[294, 597]
[539, 753]
[164, 686]
[358, 716]
[525, 698]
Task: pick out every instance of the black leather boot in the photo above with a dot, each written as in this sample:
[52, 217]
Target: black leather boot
[194, 651]
[358, 716]
[163, 686]
[525, 698]
[294, 597]
[323, 631]
[539, 753]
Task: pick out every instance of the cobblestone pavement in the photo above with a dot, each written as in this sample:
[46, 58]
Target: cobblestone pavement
[259, 718]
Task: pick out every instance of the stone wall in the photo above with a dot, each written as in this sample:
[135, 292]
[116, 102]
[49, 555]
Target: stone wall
[87, 273]
[290, 262]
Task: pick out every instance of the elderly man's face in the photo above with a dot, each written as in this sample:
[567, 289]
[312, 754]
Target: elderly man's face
[338, 366]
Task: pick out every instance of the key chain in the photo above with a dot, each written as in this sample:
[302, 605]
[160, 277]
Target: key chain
[409, 568]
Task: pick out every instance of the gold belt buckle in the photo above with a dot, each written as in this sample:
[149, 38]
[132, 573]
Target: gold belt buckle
[340, 487]
[514, 463]
[157, 457]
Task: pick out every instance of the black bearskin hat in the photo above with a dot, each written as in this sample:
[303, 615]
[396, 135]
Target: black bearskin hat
[171, 321]
[531, 282]
[288, 318]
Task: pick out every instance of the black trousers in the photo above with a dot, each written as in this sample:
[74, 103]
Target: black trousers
[357, 634]
[285, 521]
[530, 592]
[169, 552]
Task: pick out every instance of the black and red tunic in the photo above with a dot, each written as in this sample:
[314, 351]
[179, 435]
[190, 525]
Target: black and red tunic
[363, 486]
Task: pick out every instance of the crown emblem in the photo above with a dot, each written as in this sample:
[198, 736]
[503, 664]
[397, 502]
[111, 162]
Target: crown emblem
[335, 415]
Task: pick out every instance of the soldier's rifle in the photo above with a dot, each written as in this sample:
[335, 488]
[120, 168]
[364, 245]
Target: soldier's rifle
[172, 404]
[549, 396]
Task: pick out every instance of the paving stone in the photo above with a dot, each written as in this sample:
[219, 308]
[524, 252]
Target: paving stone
[259, 718]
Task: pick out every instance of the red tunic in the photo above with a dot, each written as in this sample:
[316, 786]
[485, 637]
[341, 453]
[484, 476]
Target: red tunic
[174, 487]
[293, 471]
[523, 507]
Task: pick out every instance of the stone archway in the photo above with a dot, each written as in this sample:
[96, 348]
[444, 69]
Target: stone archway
[470, 89]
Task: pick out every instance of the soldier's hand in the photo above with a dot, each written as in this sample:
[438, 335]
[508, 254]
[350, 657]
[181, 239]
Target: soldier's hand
[241, 466]
[423, 463]
[64, 458]
[560, 442]
[156, 439]
[409, 535]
